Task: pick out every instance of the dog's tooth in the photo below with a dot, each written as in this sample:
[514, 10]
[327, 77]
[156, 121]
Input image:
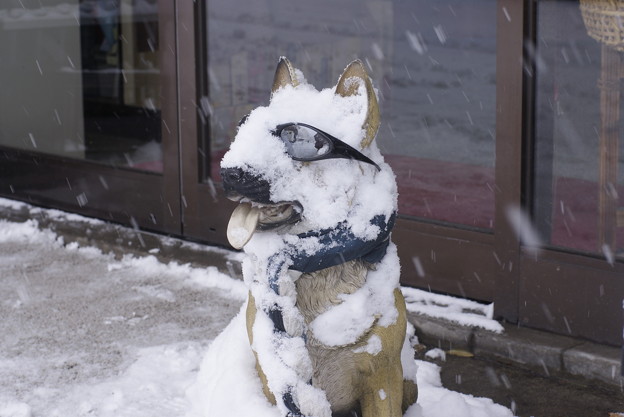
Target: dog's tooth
[242, 225]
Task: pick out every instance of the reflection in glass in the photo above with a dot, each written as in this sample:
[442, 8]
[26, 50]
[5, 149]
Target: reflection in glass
[432, 61]
[579, 169]
[81, 79]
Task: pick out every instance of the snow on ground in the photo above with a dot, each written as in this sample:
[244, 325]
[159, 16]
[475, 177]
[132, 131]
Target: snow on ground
[85, 334]
[457, 310]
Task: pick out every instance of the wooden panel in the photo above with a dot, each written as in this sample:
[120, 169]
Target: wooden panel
[120, 195]
[446, 259]
[208, 220]
[573, 299]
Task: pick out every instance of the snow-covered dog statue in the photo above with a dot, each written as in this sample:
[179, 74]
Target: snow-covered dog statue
[325, 317]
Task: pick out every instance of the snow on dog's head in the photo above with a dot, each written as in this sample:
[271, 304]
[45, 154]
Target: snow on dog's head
[308, 160]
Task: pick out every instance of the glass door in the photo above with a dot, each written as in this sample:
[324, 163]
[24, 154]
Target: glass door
[573, 282]
[88, 117]
[121, 85]
[85, 81]
[579, 183]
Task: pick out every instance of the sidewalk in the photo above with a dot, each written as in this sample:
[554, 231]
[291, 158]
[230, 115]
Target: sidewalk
[532, 372]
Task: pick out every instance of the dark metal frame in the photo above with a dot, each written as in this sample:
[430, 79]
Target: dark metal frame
[542, 292]
[205, 211]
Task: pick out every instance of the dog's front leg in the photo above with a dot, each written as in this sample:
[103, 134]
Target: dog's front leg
[251, 318]
[382, 394]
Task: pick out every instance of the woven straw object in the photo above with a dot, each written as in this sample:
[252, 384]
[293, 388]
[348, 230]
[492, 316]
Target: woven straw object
[604, 20]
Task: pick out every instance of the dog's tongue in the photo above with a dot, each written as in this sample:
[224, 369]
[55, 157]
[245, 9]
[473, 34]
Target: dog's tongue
[242, 224]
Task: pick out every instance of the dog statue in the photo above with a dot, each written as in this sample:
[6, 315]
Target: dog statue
[325, 317]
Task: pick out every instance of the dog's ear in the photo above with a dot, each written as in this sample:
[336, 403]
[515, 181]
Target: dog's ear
[284, 75]
[348, 85]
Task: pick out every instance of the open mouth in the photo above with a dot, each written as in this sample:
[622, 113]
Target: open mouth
[249, 217]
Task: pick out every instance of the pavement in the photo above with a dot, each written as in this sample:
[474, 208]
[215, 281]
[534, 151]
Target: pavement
[534, 373]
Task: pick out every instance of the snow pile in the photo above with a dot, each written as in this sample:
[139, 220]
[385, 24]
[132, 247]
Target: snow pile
[228, 385]
[209, 277]
[436, 401]
[15, 409]
[436, 353]
[27, 232]
[458, 310]
[13, 204]
[154, 385]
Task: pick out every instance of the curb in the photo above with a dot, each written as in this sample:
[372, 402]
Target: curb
[122, 240]
[546, 351]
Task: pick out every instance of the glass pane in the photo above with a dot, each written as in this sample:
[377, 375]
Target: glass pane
[433, 62]
[579, 190]
[81, 79]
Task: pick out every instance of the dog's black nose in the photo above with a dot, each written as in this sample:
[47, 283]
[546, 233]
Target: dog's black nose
[232, 175]
[238, 182]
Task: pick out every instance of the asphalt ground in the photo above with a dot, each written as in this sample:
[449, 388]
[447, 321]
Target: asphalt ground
[530, 391]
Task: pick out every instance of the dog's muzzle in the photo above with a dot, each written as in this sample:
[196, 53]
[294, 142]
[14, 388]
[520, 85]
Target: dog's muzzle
[256, 211]
[239, 184]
